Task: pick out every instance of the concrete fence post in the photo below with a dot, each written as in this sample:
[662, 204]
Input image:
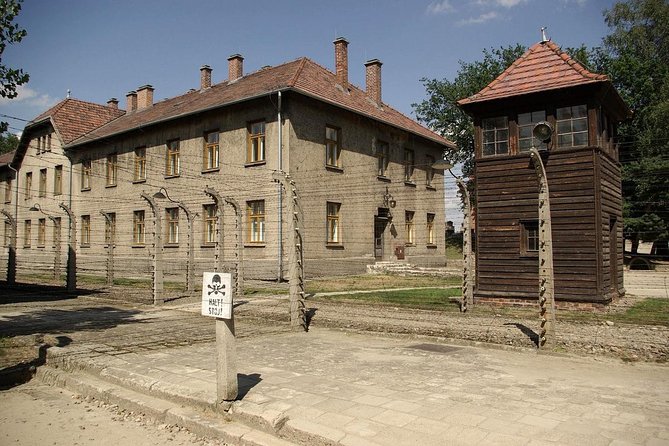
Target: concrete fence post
[157, 254]
[468, 265]
[71, 283]
[11, 259]
[295, 252]
[546, 273]
[110, 248]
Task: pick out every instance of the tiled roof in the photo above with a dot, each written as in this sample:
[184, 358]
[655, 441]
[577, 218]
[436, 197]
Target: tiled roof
[301, 75]
[543, 67]
[74, 118]
[7, 158]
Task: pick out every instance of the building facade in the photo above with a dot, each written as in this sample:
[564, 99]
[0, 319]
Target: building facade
[581, 110]
[361, 170]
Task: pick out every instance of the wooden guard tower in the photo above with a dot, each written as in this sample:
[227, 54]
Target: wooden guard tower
[578, 111]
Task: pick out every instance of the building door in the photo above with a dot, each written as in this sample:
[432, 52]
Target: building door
[379, 228]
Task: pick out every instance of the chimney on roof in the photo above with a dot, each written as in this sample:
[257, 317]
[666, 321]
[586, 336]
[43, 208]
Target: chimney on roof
[205, 77]
[112, 103]
[131, 101]
[373, 80]
[144, 96]
[235, 67]
[341, 61]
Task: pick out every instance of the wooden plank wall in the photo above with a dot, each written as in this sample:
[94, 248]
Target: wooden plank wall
[507, 194]
[611, 207]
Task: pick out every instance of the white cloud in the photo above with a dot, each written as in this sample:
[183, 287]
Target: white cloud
[498, 3]
[485, 17]
[30, 97]
[580, 3]
[440, 7]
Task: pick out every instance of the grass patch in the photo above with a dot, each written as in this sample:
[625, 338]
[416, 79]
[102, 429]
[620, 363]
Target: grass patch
[377, 282]
[647, 312]
[251, 291]
[427, 298]
[453, 253]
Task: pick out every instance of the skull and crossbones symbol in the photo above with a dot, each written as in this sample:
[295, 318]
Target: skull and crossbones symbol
[216, 286]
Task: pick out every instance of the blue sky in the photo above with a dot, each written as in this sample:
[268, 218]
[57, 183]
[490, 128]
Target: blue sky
[100, 49]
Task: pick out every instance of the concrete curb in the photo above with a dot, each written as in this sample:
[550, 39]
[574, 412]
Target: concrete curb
[115, 383]
[203, 423]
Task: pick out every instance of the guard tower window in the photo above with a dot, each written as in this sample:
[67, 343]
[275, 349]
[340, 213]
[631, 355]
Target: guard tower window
[495, 136]
[526, 123]
[572, 126]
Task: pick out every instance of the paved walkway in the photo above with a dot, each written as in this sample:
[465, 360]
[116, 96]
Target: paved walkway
[334, 387]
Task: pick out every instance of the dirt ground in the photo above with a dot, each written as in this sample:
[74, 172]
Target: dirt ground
[38, 414]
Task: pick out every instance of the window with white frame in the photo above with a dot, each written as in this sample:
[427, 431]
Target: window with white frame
[112, 169]
[430, 229]
[172, 226]
[58, 180]
[138, 228]
[42, 182]
[173, 167]
[41, 232]
[210, 151]
[409, 166]
[526, 123]
[382, 155]
[110, 228]
[255, 215]
[572, 126]
[140, 164]
[409, 227]
[27, 233]
[256, 142]
[85, 230]
[29, 186]
[86, 175]
[495, 136]
[209, 215]
[332, 146]
[333, 223]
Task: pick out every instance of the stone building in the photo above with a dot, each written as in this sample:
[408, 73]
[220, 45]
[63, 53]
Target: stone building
[361, 170]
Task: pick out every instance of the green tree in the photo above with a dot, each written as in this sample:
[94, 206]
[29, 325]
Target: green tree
[8, 142]
[636, 57]
[10, 33]
[440, 111]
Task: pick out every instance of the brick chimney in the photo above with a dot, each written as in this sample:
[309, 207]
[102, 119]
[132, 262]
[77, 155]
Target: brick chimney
[112, 103]
[205, 77]
[341, 61]
[144, 96]
[235, 67]
[373, 80]
[131, 98]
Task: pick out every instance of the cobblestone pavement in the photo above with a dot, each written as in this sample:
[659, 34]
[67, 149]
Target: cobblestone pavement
[351, 388]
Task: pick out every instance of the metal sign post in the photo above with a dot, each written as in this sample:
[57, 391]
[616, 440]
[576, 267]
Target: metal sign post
[217, 299]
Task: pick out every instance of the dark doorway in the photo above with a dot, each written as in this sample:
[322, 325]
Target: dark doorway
[380, 223]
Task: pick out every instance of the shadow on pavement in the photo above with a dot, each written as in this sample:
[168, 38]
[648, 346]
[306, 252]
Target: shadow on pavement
[534, 337]
[29, 292]
[246, 383]
[57, 321]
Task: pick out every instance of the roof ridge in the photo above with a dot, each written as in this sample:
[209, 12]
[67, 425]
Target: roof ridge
[536, 70]
[293, 80]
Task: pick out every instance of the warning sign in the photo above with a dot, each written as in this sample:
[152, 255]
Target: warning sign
[217, 295]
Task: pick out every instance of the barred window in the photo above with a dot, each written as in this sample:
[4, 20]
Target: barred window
[255, 213]
[333, 223]
[138, 226]
[173, 162]
[211, 149]
[172, 227]
[256, 142]
[210, 218]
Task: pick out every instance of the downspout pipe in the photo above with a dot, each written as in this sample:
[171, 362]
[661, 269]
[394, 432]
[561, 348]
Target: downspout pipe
[279, 276]
[16, 195]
